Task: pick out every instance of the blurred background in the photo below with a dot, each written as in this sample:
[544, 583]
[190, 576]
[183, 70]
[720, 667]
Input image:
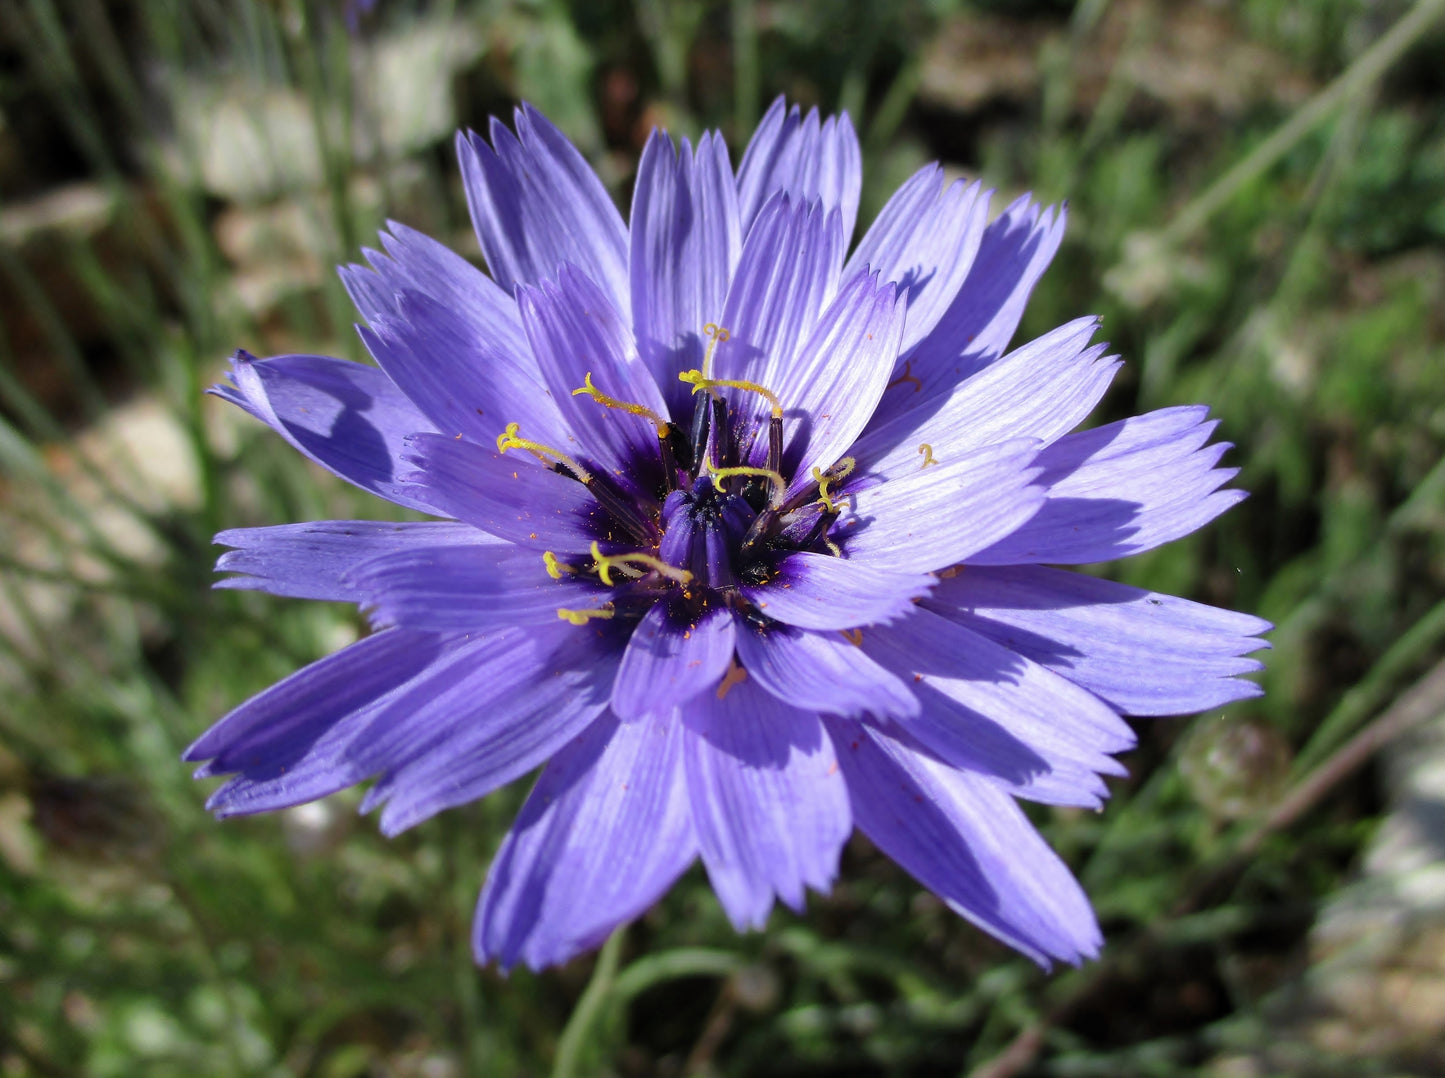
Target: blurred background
[1257, 209]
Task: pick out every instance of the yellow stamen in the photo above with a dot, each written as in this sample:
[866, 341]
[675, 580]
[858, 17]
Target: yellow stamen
[508, 439]
[836, 474]
[927, 451]
[586, 614]
[736, 675]
[853, 636]
[717, 335]
[780, 485]
[698, 380]
[627, 564]
[612, 402]
[555, 568]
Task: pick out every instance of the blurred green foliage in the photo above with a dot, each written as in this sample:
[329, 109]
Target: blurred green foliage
[176, 177]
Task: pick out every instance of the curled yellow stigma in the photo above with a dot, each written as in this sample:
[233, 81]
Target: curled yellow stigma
[716, 335]
[780, 485]
[508, 439]
[836, 474]
[699, 381]
[588, 389]
[853, 636]
[555, 568]
[927, 451]
[736, 675]
[586, 614]
[628, 563]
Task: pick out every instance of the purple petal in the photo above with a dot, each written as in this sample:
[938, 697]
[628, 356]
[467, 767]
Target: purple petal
[510, 495]
[805, 158]
[786, 276]
[668, 662]
[942, 514]
[821, 672]
[536, 203]
[466, 589]
[989, 710]
[347, 417]
[1015, 251]
[925, 239]
[686, 240]
[510, 704]
[1121, 489]
[1142, 652]
[818, 591]
[1042, 390]
[966, 841]
[414, 262]
[460, 375]
[1048, 711]
[288, 744]
[604, 833]
[768, 801]
[309, 561]
[575, 331]
[832, 385]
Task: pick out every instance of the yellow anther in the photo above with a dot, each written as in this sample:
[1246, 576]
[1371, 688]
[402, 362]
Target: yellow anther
[717, 334]
[626, 406]
[927, 451]
[584, 615]
[853, 636]
[736, 675]
[780, 485]
[508, 439]
[698, 380]
[628, 563]
[555, 568]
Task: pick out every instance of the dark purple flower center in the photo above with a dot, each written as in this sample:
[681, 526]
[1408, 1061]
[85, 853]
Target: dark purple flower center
[694, 523]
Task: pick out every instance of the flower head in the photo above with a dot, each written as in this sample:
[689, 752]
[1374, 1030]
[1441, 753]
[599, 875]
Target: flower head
[744, 537]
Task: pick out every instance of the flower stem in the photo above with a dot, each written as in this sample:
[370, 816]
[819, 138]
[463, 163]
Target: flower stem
[585, 1014]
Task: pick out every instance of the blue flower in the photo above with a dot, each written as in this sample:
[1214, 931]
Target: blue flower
[744, 538]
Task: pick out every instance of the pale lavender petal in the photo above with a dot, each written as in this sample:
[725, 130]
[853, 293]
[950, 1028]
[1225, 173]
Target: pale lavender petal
[768, 802]
[940, 515]
[985, 709]
[818, 591]
[832, 385]
[459, 375]
[511, 495]
[1142, 652]
[1043, 390]
[510, 705]
[606, 830]
[536, 203]
[686, 240]
[786, 276]
[964, 838]
[1121, 489]
[1015, 251]
[347, 417]
[310, 561]
[287, 745]
[467, 589]
[669, 661]
[807, 158]
[1052, 714]
[821, 672]
[925, 240]
[575, 331]
[414, 262]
